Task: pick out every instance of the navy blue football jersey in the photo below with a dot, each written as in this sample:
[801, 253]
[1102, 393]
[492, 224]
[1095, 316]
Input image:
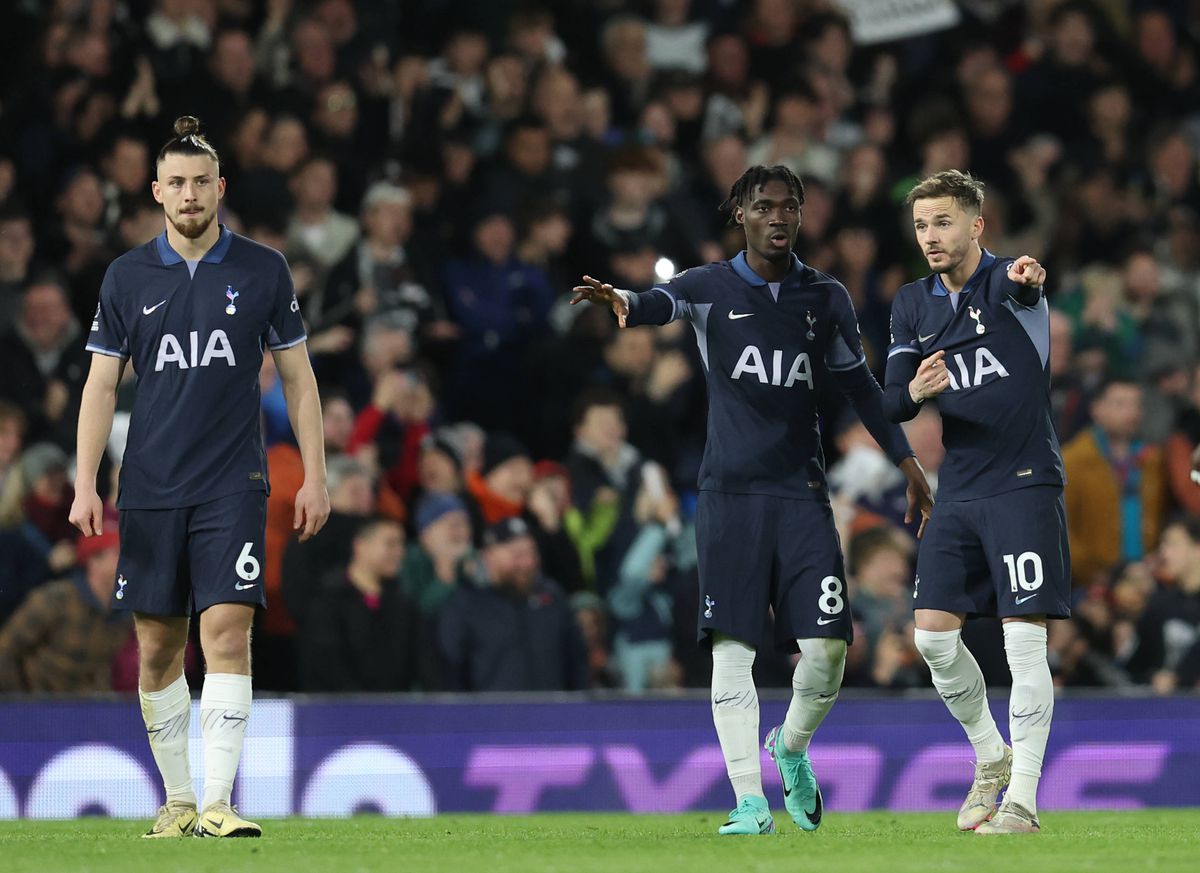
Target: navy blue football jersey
[195, 339]
[761, 347]
[996, 423]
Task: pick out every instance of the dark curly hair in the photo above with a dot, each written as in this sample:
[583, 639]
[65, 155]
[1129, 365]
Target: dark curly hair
[753, 179]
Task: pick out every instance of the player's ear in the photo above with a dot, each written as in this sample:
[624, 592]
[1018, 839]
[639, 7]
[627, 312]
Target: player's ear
[739, 216]
[977, 227]
[156, 190]
[220, 187]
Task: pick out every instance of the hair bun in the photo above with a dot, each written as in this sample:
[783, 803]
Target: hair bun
[187, 125]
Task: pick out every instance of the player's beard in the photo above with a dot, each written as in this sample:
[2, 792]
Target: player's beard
[192, 228]
[953, 259]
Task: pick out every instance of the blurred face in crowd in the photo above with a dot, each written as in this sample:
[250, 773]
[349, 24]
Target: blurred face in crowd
[232, 61]
[925, 436]
[989, 101]
[513, 564]
[315, 186]
[437, 472]
[856, 249]
[1179, 553]
[339, 18]
[1118, 410]
[450, 533]
[1143, 279]
[128, 165]
[82, 201]
[467, 52]
[45, 314]
[1110, 108]
[946, 232]
[354, 495]
[1174, 165]
[512, 479]
[286, 146]
[337, 110]
[625, 49]
[556, 101]
[1156, 38]
[529, 150]
[885, 573]
[189, 187]
[771, 219]
[602, 428]
[725, 159]
[389, 223]
[314, 52]
[337, 419]
[728, 62]
[1073, 39]
[863, 172]
[1061, 343]
[11, 432]
[16, 247]
[140, 226]
[494, 237]
[631, 352]
[380, 549]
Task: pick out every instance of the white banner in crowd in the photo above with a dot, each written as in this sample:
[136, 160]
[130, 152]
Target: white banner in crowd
[873, 21]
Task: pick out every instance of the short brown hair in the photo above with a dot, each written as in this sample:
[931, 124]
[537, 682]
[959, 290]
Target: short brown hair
[966, 190]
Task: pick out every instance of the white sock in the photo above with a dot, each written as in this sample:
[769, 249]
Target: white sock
[959, 681]
[168, 715]
[815, 685]
[735, 714]
[224, 711]
[1030, 708]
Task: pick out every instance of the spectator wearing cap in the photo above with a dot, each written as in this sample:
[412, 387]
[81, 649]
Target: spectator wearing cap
[64, 635]
[363, 632]
[502, 485]
[45, 496]
[562, 532]
[515, 630]
[442, 558]
[501, 305]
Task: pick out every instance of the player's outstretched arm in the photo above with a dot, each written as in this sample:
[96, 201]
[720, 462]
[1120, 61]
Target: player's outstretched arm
[96, 410]
[1029, 276]
[631, 308]
[304, 411]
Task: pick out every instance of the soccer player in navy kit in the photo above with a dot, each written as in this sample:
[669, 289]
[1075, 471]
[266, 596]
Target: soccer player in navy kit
[192, 310]
[974, 336]
[768, 328]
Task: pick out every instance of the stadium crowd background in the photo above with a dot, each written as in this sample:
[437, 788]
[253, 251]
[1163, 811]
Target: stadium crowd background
[513, 479]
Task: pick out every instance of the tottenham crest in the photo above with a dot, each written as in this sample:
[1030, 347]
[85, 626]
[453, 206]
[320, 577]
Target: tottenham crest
[231, 295]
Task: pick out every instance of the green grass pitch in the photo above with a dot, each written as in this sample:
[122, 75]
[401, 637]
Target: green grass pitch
[1128, 842]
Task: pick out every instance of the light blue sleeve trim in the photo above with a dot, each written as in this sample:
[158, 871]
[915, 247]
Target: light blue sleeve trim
[900, 350]
[841, 369]
[279, 347]
[112, 353]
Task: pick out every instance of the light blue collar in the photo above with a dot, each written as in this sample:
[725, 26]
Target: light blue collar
[214, 255]
[940, 290]
[747, 275]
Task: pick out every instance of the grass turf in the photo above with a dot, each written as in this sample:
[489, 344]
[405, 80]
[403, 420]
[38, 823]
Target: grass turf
[1158, 840]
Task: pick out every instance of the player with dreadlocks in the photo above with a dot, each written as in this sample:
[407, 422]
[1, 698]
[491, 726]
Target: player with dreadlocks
[765, 323]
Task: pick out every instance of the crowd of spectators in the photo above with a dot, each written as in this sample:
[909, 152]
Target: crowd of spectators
[513, 479]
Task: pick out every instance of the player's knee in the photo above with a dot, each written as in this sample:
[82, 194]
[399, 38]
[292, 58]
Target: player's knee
[224, 644]
[938, 648]
[826, 657]
[732, 659]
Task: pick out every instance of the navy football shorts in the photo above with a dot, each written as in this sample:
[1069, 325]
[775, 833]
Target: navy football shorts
[1002, 556]
[180, 561]
[757, 552]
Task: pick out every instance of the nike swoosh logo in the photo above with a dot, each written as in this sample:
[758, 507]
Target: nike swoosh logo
[734, 316]
[1021, 600]
[146, 310]
[827, 620]
[233, 717]
[240, 587]
[925, 339]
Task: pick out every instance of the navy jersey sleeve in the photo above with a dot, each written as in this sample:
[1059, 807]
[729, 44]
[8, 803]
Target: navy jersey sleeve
[1026, 295]
[845, 350]
[663, 303]
[287, 326]
[108, 335]
[904, 357]
[847, 361]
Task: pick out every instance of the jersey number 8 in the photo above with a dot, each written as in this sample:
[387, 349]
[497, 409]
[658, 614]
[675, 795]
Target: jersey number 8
[831, 601]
